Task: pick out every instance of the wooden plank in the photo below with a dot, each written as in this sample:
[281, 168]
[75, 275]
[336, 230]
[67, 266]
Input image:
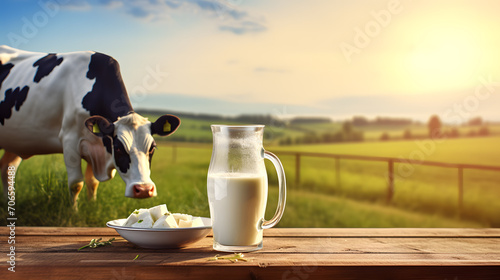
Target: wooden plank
[179, 258]
[51, 253]
[135, 272]
[274, 245]
[472, 250]
[60, 231]
[290, 245]
[283, 232]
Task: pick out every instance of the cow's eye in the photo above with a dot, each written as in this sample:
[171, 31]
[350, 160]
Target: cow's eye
[122, 158]
[151, 152]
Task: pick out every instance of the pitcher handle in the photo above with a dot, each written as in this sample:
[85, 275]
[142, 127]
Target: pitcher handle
[282, 191]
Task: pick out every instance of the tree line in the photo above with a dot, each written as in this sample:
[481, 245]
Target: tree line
[350, 130]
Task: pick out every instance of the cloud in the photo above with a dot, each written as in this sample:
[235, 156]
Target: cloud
[77, 5]
[228, 15]
[240, 28]
[139, 12]
[173, 4]
[220, 8]
[111, 4]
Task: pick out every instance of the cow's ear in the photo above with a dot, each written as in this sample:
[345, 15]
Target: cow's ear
[165, 125]
[100, 126]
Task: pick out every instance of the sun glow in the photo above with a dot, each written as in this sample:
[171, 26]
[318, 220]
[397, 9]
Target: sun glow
[445, 59]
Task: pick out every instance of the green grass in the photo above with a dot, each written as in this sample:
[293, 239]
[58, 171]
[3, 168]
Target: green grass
[426, 189]
[42, 196]
[309, 209]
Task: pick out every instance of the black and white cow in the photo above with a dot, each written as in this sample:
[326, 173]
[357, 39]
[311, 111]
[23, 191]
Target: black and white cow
[76, 104]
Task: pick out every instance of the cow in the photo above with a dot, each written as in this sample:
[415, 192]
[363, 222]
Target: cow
[76, 104]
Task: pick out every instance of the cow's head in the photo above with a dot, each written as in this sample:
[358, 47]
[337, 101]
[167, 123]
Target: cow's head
[130, 141]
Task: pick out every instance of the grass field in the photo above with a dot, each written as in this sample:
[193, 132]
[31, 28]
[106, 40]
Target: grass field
[426, 189]
[427, 198]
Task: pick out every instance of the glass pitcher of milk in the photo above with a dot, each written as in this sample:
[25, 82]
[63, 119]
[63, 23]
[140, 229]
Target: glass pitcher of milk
[237, 187]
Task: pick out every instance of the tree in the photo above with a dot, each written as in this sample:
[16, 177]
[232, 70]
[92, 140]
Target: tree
[407, 134]
[359, 121]
[347, 127]
[384, 136]
[454, 133]
[484, 131]
[434, 126]
[477, 121]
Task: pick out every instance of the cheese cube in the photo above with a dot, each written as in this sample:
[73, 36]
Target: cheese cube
[183, 223]
[134, 217]
[197, 222]
[166, 221]
[158, 211]
[145, 220]
[185, 217]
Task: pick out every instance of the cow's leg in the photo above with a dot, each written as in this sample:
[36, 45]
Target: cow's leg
[8, 159]
[74, 191]
[73, 163]
[91, 182]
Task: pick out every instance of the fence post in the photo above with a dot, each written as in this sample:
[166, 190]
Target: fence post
[337, 169]
[390, 180]
[460, 189]
[297, 169]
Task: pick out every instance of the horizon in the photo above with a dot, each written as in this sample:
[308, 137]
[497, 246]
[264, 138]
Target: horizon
[333, 118]
[280, 111]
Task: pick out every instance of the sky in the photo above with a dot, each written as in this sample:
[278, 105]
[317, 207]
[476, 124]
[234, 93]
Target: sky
[282, 57]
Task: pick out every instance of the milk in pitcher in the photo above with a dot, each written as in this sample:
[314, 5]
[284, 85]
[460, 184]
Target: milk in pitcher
[237, 203]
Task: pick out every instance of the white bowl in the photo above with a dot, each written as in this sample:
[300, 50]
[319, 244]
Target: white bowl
[161, 238]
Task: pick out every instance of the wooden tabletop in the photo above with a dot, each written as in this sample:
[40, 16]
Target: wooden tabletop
[288, 253]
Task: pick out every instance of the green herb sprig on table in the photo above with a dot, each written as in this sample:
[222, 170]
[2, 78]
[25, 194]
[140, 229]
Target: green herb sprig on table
[94, 243]
[234, 258]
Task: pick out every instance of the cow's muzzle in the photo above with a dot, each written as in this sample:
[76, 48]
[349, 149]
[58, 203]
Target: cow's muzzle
[143, 190]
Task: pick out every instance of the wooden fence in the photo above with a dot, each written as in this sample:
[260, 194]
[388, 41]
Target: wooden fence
[390, 166]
